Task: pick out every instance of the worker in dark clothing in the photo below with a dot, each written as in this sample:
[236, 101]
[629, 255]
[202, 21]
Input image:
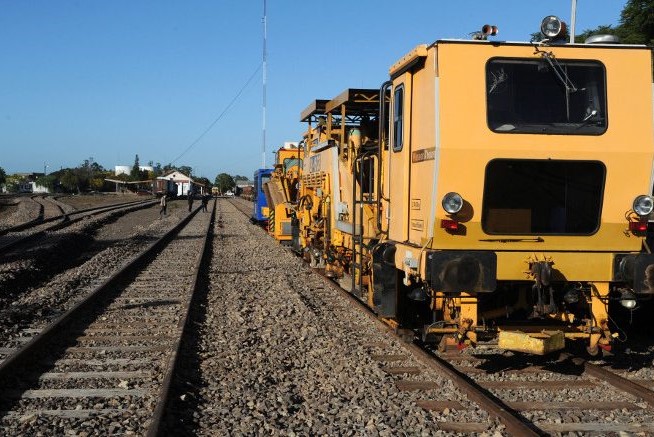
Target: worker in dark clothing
[205, 200]
[190, 200]
[163, 204]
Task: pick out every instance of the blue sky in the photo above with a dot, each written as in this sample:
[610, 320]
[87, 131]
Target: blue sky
[113, 79]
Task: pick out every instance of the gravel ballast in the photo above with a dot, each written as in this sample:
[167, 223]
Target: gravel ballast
[281, 352]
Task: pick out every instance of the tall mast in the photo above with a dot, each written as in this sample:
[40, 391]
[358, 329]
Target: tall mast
[573, 19]
[263, 144]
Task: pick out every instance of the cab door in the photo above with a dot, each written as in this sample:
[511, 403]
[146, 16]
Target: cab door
[397, 164]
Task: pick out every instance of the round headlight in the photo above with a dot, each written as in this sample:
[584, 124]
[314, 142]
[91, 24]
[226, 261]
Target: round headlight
[552, 27]
[452, 203]
[628, 300]
[643, 205]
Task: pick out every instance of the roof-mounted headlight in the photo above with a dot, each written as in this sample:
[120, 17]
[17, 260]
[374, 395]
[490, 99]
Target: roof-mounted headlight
[452, 203]
[552, 27]
[643, 205]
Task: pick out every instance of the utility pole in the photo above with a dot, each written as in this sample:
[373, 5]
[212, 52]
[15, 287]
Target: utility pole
[263, 145]
[573, 19]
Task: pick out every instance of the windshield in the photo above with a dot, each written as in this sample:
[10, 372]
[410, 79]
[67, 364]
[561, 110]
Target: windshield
[546, 95]
[264, 179]
[523, 196]
[290, 163]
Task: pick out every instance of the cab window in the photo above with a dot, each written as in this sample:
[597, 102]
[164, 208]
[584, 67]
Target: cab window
[546, 96]
[398, 118]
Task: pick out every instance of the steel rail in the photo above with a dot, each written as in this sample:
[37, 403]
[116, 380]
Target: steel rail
[617, 381]
[510, 418]
[22, 358]
[67, 221]
[155, 427]
[64, 216]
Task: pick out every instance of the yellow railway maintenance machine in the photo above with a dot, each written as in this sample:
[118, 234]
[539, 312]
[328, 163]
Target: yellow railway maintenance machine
[282, 192]
[516, 190]
[338, 204]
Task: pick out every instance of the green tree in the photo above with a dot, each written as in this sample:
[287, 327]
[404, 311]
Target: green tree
[70, 180]
[204, 181]
[636, 25]
[12, 183]
[158, 170]
[135, 174]
[241, 178]
[185, 169]
[96, 183]
[3, 176]
[50, 182]
[224, 182]
[637, 22]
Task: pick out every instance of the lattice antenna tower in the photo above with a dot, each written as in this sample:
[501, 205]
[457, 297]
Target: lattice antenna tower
[265, 59]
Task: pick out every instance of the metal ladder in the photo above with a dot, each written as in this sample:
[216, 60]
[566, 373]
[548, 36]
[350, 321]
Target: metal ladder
[361, 179]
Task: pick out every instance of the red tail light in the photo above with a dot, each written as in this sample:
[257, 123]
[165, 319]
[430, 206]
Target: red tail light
[638, 226]
[450, 225]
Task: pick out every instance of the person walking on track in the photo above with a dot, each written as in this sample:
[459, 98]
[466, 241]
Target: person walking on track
[163, 204]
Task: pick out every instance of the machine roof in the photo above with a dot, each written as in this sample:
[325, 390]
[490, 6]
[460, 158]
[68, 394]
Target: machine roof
[317, 107]
[358, 100]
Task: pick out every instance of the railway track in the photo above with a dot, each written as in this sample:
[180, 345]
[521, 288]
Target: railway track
[551, 395]
[50, 207]
[528, 395]
[242, 205]
[581, 397]
[41, 283]
[105, 366]
[20, 235]
[44, 207]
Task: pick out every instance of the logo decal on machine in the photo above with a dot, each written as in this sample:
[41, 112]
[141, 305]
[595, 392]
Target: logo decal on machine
[417, 225]
[423, 155]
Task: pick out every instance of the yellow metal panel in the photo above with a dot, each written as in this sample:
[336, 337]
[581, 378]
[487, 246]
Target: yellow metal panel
[599, 306]
[625, 148]
[408, 59]
[532, 343]
[610, 237]
[571, 266]
[514, 265]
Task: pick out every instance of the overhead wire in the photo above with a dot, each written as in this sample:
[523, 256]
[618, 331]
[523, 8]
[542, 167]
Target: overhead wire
[231, 103]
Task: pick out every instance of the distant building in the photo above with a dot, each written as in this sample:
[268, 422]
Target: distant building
[127, 169]
[184, 183]
[244, 188]
[242, 184]
[122, 169]
[36, 188]
[28, 183]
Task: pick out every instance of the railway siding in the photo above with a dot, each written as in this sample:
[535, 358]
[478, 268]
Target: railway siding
[26, 311]
[109, 378]
[281, 352]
